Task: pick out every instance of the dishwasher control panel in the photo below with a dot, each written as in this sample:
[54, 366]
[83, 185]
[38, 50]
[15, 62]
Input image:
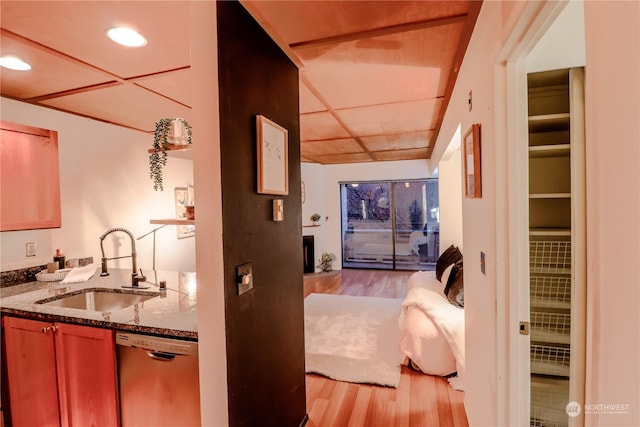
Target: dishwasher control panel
[157, 344]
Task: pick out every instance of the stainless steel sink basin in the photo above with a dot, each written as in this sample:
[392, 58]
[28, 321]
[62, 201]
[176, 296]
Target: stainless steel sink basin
[99, 299]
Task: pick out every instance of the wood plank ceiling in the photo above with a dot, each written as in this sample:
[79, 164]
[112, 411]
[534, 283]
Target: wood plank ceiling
[375, 76]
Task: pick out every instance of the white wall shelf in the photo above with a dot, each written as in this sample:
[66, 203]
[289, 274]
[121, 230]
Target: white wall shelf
[552, 150]
[549, 122]
[178, 151]
[173, 221]
[550, 196]
[550, 232]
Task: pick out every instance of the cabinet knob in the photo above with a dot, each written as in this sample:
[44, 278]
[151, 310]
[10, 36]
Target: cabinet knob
[51, 328]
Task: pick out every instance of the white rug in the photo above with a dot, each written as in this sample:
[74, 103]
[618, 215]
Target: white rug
[353, 339]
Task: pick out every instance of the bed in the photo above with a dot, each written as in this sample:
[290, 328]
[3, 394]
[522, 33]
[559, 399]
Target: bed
[432, 330]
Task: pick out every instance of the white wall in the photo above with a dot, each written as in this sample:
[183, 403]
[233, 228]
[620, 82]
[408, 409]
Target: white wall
[613, 204]
[450, 195]
[326, 180]
[104, 183]
[613, 209]
[478, 215]
[313, 179]
[212, 335]
[562, 45]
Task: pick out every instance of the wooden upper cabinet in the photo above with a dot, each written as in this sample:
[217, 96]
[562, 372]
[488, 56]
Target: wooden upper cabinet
[29, 172]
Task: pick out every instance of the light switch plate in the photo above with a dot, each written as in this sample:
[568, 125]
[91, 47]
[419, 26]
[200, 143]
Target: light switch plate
[278, 210]
[244, 277]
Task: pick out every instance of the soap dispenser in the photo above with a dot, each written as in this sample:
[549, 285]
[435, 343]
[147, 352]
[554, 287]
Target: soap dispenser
[59, 258]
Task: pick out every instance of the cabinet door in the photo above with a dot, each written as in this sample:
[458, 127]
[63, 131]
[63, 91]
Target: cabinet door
[31, 372]
[30, 197]
[87, 376]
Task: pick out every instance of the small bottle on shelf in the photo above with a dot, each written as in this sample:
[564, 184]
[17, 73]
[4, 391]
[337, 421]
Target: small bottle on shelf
[59, 258]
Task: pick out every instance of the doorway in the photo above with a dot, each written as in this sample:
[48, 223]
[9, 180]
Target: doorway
[390, 225]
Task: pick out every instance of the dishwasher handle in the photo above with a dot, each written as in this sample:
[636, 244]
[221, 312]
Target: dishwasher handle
[162, 357]
[158, 348]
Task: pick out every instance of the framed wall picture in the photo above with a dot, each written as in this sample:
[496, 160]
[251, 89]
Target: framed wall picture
[471, 159]
[182, 200]
[273, 153]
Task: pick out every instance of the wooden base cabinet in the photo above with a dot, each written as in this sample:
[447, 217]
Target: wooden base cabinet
[60, 374]
[31, 373]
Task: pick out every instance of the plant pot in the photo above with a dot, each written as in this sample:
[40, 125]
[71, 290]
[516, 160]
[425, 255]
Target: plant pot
[168, 133]
[178, 132]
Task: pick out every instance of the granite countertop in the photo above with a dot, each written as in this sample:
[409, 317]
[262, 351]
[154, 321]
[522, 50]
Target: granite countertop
[171, 312]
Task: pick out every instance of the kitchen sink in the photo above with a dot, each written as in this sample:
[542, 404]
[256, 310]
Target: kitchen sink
[97, 299]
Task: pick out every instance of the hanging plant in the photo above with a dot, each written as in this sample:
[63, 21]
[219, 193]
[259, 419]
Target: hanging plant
[169, 132]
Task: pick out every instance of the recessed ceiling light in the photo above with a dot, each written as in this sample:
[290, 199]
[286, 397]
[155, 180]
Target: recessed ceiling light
[14, 63]
[126, 37]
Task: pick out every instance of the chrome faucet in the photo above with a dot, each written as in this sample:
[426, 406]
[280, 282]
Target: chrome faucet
[135, 278]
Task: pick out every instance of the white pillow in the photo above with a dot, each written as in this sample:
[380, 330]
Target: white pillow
[422, 342]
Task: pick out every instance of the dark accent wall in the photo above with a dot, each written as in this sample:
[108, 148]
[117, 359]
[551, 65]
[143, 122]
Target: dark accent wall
[265, 326]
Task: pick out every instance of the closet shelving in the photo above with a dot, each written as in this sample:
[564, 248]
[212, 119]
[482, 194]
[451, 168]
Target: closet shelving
[548, 402]
[550, 245]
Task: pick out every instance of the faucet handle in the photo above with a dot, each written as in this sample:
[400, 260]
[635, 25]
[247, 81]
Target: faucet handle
[135, 280]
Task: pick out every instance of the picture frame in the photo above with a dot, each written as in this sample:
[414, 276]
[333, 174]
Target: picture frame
[471, 158]
[273, 157]
[181, 200]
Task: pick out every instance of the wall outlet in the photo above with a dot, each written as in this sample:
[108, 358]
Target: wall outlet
[31, 249]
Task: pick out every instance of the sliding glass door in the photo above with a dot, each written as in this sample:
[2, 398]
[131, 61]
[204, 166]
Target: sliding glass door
[390, 224]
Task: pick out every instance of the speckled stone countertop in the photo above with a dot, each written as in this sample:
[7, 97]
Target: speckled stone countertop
[170, 313]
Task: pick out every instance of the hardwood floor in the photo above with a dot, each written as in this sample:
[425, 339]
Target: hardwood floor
[420, 400]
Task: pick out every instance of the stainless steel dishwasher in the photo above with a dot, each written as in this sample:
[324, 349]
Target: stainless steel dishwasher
[158, 381]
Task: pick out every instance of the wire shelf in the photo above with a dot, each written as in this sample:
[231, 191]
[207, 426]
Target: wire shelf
[551, 327]
[550, 360]
[549, 399]
[550, 256]
[550, 291]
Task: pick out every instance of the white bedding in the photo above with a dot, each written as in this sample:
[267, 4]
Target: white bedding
[432, 329]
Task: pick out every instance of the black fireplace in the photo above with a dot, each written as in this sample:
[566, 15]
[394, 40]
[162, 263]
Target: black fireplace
[307, 254]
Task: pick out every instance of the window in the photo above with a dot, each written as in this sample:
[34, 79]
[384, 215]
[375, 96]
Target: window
[390, 224]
